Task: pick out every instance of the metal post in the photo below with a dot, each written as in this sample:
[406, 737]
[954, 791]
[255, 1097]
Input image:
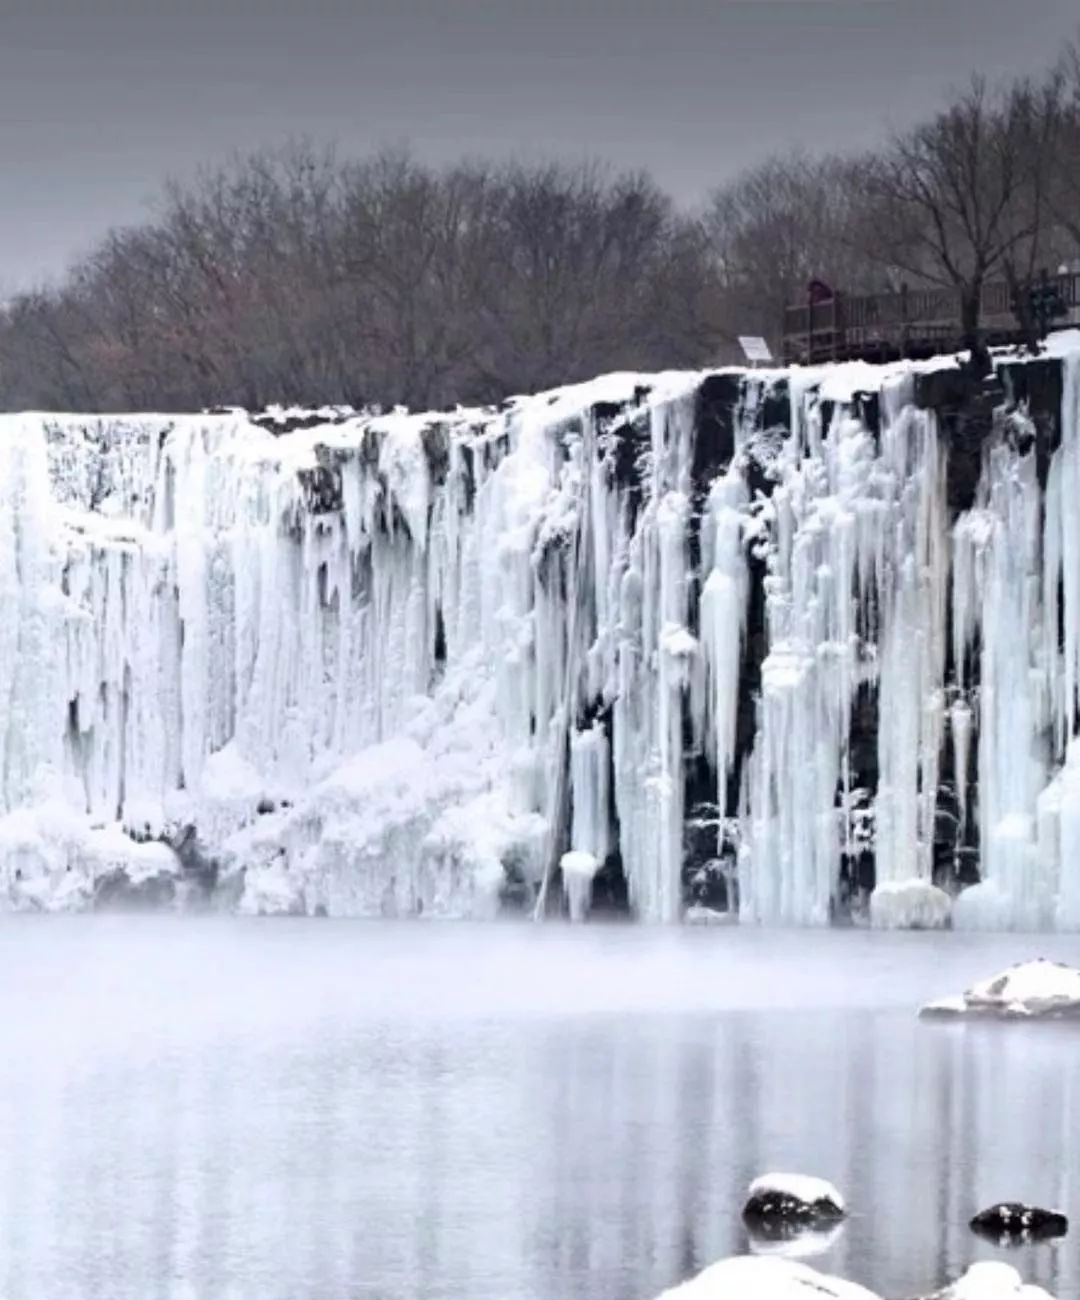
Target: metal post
[905, 316]
[810, 326]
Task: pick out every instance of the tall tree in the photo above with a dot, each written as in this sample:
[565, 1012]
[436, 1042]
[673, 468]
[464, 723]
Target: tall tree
[775, 227]
[960, 198]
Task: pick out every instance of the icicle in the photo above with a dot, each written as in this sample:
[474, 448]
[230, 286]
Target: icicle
[464, 647]
[578, 870]
[960, 719]
[723, 618]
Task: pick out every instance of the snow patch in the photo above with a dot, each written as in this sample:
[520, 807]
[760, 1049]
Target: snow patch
[991, 1280]
[767, 1278]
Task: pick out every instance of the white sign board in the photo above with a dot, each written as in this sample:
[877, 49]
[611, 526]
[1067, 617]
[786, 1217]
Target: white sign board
[755, 349]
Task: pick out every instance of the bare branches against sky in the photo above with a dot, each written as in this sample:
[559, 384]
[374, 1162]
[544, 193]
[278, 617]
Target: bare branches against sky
[99, 101]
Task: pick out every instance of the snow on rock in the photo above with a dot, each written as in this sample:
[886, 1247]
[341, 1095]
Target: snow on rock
[757, 1277]
[1032, 989]
[991, 1280]
[909, 905]
[397, 663]
[51, 859]
[793, 1197]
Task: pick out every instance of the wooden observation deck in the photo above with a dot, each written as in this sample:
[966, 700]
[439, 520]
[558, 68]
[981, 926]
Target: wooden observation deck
[911, 323]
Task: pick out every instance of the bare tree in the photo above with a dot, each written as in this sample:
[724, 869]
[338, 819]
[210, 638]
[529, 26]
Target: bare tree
[290, 276]
[1064, 194]
[774, 228]
[961, 197]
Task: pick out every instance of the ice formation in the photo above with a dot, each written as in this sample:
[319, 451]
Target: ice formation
[757, 643]
[911, 905]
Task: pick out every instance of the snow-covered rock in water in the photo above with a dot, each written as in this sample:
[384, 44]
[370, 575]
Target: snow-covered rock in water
[756, 1277]
[991, 1280]
[1040, 987]
[1014, 1222]
[909, 905]
[792, 1199]
[1031, 990]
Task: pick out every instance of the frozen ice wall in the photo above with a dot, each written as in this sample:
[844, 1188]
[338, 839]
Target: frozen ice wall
[782, 645]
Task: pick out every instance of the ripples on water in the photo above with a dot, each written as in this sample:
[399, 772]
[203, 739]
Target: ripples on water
[253, 1111]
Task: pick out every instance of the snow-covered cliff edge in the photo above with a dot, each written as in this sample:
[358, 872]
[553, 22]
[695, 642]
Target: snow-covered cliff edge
[765, 641]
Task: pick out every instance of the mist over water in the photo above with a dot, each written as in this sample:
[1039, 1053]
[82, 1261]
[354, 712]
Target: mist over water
[329, 1109]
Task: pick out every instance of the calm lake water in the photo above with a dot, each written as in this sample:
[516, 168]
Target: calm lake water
[293, 1109]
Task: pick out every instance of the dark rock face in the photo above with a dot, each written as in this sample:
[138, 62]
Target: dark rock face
[435, 439]
[704, 878]
[1035, 386]
[199, 871]
[610, 896]
[1012, 1222]
[321, 487]
[115, 892]
[624, 441]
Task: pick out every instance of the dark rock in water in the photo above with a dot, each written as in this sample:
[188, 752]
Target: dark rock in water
[776, 1230]
[791, 1199]
[776, 1208]
[786, 1240]
[1016, 1223]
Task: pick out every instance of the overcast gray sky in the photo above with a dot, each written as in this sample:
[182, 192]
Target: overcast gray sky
[101, 99]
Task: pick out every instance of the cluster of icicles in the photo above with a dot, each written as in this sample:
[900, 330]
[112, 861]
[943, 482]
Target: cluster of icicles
[403, 664]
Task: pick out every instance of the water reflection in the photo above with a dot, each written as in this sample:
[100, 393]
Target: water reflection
[340, 1151]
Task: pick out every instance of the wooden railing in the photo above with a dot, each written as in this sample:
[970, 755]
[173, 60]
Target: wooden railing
[912, 322]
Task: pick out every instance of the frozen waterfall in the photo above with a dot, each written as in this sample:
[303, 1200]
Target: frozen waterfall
[789, 645]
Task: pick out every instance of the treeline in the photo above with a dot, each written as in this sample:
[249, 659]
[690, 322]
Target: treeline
[294, 276]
